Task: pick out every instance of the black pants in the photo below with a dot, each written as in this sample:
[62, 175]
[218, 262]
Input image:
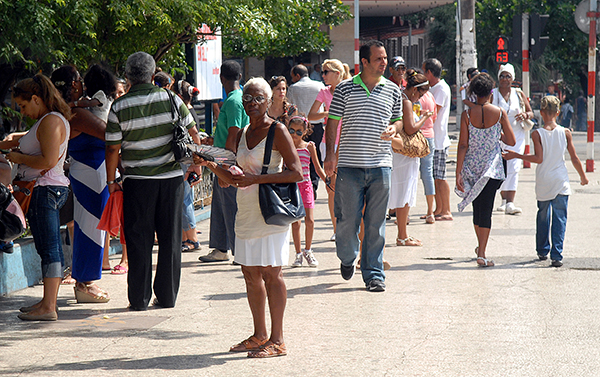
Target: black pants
[153, 205]
[222, 217]
[316, 137]
[483, 205]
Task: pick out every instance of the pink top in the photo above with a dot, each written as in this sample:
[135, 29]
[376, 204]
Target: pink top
[428, 103]
[304, 155]
[325, 96]
[29, 144]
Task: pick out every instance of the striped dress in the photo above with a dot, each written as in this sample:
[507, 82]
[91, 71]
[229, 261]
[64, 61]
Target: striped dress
[90, 194]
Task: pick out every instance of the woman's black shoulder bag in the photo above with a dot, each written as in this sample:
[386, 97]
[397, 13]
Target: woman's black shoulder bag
[280, 203]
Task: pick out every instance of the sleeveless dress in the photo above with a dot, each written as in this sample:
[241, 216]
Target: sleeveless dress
[404, 179]
[483, 161]
[256, 242]
[305, 187]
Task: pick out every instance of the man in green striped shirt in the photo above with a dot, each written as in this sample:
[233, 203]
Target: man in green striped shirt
[140, 125]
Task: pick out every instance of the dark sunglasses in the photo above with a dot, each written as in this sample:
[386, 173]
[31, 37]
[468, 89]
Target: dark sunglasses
[297, 132]
[247, 98]
[505, 77]
[325, 72]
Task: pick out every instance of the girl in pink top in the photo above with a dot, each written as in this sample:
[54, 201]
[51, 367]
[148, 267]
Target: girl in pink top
[299, 128]
[333, 73]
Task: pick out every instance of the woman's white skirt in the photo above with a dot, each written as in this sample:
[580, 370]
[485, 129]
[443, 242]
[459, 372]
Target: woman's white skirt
[272, 250]
[404, 178]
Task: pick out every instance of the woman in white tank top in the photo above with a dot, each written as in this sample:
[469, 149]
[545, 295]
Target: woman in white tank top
[40, 154]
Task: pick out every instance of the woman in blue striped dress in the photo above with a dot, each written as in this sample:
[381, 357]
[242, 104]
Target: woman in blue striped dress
[87, 174]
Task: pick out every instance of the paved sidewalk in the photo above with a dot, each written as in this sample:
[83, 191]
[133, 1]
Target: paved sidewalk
[440, 316]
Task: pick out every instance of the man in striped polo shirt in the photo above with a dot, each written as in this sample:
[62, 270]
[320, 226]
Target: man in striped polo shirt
[140, 125]
[371, 108]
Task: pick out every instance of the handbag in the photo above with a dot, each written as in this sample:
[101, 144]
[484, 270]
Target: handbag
[526, 124]
[414, 145]
[22, 193]
[181, 136]
[12, 219]
[280, 203]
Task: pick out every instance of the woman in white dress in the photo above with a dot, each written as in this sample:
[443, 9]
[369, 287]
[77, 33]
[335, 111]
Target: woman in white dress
[508, 98]
[405, 173]
[261, 249]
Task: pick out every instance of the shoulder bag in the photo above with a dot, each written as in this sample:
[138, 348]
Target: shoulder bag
[414, 145]
[181, 136]
[526, 124]
[280, 203]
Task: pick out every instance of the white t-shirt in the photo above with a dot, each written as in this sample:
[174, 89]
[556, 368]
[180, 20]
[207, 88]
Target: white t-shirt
[441, 93]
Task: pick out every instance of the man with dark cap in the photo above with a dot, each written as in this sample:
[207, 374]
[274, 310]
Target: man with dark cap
[398, 71]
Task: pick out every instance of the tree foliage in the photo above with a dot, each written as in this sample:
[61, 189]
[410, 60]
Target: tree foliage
[42, 34]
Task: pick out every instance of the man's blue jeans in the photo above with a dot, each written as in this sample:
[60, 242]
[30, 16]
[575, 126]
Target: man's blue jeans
[355, 189]
[558, 206]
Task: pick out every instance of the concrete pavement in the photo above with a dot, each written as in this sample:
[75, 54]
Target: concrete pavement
[440, 315]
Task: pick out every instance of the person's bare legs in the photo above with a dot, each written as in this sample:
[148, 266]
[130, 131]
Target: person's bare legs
[442, 199]
[48, 303]
[257, 296]
[105, 260]
[309, 227]
[277, 294]
[296, 236]
[401, 217]
[483, 235]
[509, 196]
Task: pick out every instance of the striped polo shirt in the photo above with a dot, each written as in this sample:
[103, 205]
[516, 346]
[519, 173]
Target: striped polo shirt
[142, 123]
[366, 116]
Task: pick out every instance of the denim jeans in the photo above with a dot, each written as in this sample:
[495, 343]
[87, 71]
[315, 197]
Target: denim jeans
[355, 189]
[44, 221]
[426, 169]
[189, 217]
[558, 206]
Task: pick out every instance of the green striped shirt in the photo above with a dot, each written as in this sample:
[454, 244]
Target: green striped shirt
[142, 123]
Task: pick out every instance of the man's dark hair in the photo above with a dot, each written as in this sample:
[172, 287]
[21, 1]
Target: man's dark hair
[300, 69]
[470, 72]
[231, 70]
[434, 66]
[365, 50]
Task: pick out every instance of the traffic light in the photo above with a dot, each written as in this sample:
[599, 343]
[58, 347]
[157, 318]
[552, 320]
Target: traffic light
[516, 46]
[538, 38]
[502, 50]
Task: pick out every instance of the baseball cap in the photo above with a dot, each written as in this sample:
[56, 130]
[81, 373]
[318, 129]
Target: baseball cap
[397, 61]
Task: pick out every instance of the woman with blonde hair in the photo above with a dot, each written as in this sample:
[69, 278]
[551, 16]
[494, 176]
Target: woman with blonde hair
[333, 72]
[40, 157]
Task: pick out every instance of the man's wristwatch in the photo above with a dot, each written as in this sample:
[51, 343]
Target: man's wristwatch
[117, 180]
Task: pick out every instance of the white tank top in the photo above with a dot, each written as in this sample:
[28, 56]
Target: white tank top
[551, 176]
[29, 144]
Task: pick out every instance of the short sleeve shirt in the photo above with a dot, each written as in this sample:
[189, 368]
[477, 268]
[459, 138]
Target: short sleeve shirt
[366, 116]
[441, 93]
[232, 115]
[142, 123]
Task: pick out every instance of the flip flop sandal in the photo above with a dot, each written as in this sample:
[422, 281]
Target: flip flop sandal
[250, 344]
[272, 350]
[400, 242]
[486, 262]
[189, 245]
[119, 270]
[430, 219]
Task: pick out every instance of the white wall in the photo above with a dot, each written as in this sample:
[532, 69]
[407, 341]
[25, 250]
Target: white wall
[342, 40]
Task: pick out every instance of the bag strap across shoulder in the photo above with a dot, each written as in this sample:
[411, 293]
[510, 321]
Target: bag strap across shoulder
[174, 108]
[268, 147]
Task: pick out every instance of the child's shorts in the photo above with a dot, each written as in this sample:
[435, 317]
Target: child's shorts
[306, 191]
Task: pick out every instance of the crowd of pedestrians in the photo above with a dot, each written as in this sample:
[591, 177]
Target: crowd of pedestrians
[329, 126]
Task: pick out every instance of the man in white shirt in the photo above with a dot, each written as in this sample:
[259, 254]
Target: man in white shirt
[432, 69]
[303, 93]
